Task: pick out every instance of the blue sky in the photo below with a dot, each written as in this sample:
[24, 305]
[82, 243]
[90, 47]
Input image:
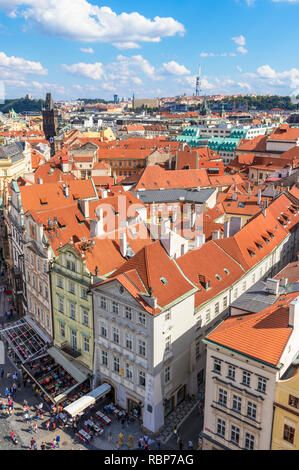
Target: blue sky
[87, 48]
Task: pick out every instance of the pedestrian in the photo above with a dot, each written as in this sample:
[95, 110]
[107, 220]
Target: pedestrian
[53, 426]
[54, 444]
[158, 445]
[139, 444]
[32, 442]
[35, 427]
[110, 437]
[123, 421]
[57, 441]
[181, 444]
[47, 425]
[35, 446]
[43, 446]
[6, 392]
[14, 387]
[190, 445]
[19, 385]
[2, 372]
[175, 432]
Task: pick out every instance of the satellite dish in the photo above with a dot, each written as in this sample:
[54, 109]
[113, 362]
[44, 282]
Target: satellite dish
[2, 353]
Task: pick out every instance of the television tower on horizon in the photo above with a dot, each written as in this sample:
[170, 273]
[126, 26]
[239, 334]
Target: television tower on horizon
[198, 82]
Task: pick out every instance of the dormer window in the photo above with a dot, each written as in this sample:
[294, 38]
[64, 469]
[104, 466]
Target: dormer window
[218, 277]
[251, 252]
[258, 245]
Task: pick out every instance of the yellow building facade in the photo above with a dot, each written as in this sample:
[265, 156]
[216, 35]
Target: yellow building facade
[285, 432]
[72, 307]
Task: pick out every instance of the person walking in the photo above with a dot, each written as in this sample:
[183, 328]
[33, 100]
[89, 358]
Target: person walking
[181, 444]
[158, 445]
[43, 446]
[32, 442]
[190, 445]
[57, 441]
[6, 392]
[54, 444]
[2, 372]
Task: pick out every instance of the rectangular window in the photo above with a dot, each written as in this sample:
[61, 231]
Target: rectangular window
[217, 366]
[103, 303]
[73, 311]
[115, 308]
[129, 372]
[208, 316]
[246, 378]
[104, 359]
[129, 342]
[72, 288]
[85, 317]
[235, 434]
[221, 428]
[293, 401]
[116, 364]
[251, 410]
[60, 305]
[249, 441]
[62, 330]
[289, 434]
[222, 397]
[167, 316]
[231, 372]
[141, 379]
[167, 343]
[224, 303]
[60, 282]
[141, 348]
[84, 294]
[237, 403]
[128, 313]
[115, 335]
[74, 339]
[46, 293]
[244, 286]
[235, 293]
[167, 375]
[197, 350]
[103, 330]
[86, 344]
[216, 309]
[142, 318]
[261, 385]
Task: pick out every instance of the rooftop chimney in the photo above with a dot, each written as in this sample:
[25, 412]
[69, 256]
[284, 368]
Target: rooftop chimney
[226, 229]
[272, 286]
[123, 244]
[259, 197]
[84, 206]
[294, 313]
[199, 241]
[97, 225]
[216, 235]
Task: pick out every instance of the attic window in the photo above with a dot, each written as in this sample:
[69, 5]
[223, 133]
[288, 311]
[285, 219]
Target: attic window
[226, 271]
[266, 239]
[163, 280]
[258, 245]
[241, 204]
[218, 277]
[271, 235]
[252, 253]
[204, 281]
[43, 200]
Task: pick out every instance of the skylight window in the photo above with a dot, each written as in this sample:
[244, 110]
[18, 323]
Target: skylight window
[218, 277]
[226, 271]
[163, 280]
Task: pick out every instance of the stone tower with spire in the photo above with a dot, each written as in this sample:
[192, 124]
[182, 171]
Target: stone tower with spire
[50, 121]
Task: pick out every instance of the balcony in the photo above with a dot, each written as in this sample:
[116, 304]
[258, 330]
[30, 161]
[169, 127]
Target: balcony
[70, 351]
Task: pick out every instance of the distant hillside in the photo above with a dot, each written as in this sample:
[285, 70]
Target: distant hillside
[259, 102]
[20, 105]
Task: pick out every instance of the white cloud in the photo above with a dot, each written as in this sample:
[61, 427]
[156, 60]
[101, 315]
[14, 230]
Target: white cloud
[239, 68]
[244, 85]
[137, 81]
[240, 40]
[126, 45]
[12, 66]
[93, 71]
[242, 50]
[80, 20]
[173, 68]
[87, 50]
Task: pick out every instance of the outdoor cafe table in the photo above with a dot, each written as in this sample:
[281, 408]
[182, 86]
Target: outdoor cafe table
[92, 425]
[84, 434]
[103, 417]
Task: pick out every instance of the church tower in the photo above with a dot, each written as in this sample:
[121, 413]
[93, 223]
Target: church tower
[50, 121]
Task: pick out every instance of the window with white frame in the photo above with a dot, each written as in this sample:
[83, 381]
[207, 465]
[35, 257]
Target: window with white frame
[86, 344]
[251, 410]
[116, 364]
[261, 384]
[222, 397]
[60, 282]
[104, 359]
[46, 292]
[221, 427]
[128, 313]
[208, 315]
[129, 341]
[167, 375]
[217, 366]
[38, 264]
[85, 317]
[129, 371]
[249, 441]
[60, 305]
[224, 303]
[237, 403]
[142, 318]
[103, 330]
[84, 294]
[115, 335]
[141, 348]
[62, 330]
[141, 379]
[72, 288]
[216, 309]
[235, 434]
[167, 316]
[73, 311]
[103, 303]
[231, 372]
[115, 308]
[246, 378]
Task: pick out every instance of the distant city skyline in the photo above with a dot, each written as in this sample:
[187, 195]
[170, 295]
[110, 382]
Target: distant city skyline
[80, 48]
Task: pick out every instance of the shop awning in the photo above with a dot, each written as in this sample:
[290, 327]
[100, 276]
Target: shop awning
[87, 400]
[77, 374]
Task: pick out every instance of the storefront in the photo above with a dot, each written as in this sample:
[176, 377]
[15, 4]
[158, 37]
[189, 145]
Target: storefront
[134, 408]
